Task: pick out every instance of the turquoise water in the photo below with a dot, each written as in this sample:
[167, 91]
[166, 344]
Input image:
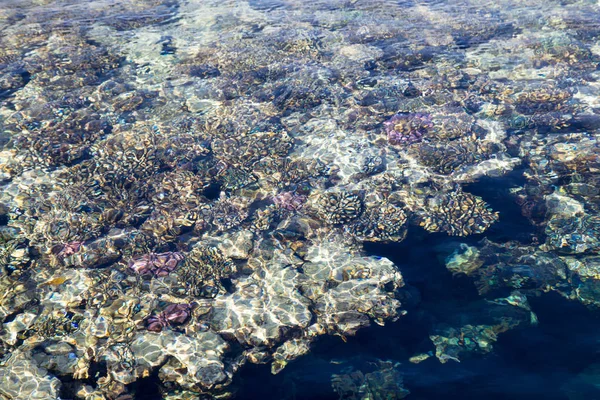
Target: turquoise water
[299, 200]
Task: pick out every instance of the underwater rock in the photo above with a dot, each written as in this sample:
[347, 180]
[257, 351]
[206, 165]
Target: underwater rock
[265, 305]
[464, 260]
[58, 357]
[452, 342]
[586, 292]
[479, 336]
[344, 292]
[64, 289]
[516, 266]
[574, 235]
[289, 351]
[586, 268]
[357, 288]
[24, 379]
[17, 294]
[236, 245]
[360, 52]
[200, 355]
[14, 252]
[385, 382]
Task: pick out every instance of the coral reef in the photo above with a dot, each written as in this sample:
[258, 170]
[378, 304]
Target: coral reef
[189, 187]
[457, 214]
[383, 383]
[407, 129]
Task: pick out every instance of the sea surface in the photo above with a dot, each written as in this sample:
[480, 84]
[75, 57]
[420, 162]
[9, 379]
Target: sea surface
[283, 199]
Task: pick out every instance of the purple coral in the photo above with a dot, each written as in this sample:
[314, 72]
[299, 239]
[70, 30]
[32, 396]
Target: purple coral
[289, 201]
[404, 129]
[174, 314]
[177, 313]
[156, 264]
[157, 323]
[68, 249]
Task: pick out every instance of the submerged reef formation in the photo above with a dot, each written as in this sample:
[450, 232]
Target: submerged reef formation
[385, 382]
[187, 186]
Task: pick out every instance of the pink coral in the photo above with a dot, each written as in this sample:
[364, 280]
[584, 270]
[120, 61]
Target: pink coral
[156, 264]
[407, 128]
[174, 314]
[289, 201]
[65, 250]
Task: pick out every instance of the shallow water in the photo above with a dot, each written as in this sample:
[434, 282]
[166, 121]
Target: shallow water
[299, 200]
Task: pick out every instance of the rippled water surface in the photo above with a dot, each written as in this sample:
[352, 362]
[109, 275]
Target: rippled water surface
[299, 199]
